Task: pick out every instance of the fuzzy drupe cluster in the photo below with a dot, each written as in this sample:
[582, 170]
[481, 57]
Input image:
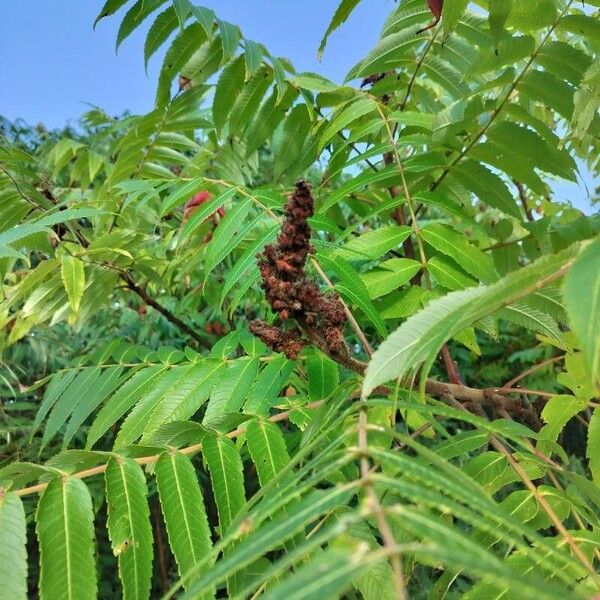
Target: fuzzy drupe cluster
[291, 294]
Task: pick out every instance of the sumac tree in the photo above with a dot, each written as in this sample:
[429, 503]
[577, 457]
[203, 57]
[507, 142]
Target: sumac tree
[285, 338]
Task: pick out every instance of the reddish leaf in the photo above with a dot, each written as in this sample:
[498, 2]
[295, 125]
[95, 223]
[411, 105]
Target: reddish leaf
[192, 205]
[435, 6]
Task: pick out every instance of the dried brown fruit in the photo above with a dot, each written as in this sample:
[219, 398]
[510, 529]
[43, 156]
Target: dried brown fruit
[291, 294]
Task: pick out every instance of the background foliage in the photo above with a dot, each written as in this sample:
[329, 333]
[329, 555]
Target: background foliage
[149, 434]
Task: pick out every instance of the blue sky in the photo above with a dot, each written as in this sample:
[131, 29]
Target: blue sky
[52, 62]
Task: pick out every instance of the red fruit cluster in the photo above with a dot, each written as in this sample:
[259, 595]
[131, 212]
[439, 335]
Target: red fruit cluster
[291, 294]
[289, 342]
[197, 200]
[215, 328]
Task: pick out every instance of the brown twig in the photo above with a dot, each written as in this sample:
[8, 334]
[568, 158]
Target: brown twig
[506, 390]
[451, 370]
[523, 199]
[510, 384]
[160, 545]
[19, 191]
[418, 67]
[163, 310]
[400, 218]
[450, 365]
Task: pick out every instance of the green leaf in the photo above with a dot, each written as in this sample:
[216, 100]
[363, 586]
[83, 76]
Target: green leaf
[231, 390]
[58, 384]
[65, 531]
[532, 319]
[363, 179]
[204, 62]
[227, 90]
[129, 526]
[420, 337]
[183, 510]
[19, 232]
[342, 12]
[550, 91]
[8, 252]
[557, 412]
[336, 569]
[247, 260]
[404, 303]
[110, 8]
[21, 291]
[133, 18]
[314, 82]
[72, 273]
[159, 32]
[376, 583]
[323, 375]
[374, 244]
[13, 552]
[254, 56]
[452, 12]
[182, 400]
[271, 535]
[225, 466]
[267, 449]
[279, 75]
[230, 231]
[389, 276]
[69, 214]
[522, 144]
[104, 386]
[230, 36]
[456, 246]
[349, 113]
[390, 52]
[294, 133]
[267, 386]
[587, 100]
[248, 101]
[271, 112]
[581, 291]
[178, 54]
[182, 9]
[353, 289]
[447, 273]
[69, 399]
[365, 304]
[21, 473]
[593, 446]
[125, 397]
[452, 547]
[206, 18]
[487, 186]
[71, 461]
